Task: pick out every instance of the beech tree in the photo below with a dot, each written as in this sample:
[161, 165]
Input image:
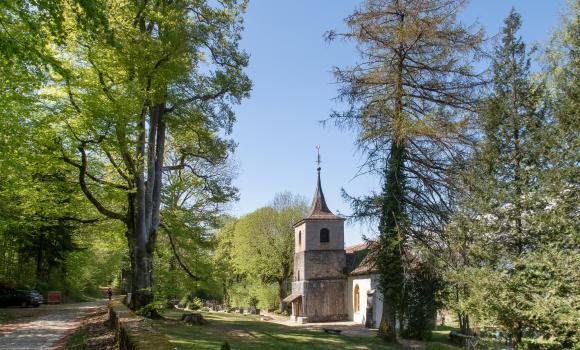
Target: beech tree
[131, 90]
[405, 97]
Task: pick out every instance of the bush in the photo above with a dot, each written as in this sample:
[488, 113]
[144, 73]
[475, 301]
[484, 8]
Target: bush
[186, 299]
[536, 344]
[195, 304]
[151, 310]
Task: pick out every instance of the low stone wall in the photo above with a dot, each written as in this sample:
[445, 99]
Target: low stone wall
[460, 339]
[134, 332]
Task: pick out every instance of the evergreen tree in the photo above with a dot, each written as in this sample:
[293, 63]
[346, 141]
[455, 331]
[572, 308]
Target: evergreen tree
[515, 236]
[405, 96]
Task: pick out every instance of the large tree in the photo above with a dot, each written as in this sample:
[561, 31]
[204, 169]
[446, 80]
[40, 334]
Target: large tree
[516, 233]
[414, 76]
[129, 87]
[262, 242]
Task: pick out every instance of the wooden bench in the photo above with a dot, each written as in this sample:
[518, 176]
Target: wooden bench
[334, 331]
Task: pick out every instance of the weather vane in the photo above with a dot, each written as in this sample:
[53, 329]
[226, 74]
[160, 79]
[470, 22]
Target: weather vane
[318, 161]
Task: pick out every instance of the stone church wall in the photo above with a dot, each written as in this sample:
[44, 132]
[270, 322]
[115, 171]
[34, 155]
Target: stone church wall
[324, 300]
[312, 235]
[325, 264]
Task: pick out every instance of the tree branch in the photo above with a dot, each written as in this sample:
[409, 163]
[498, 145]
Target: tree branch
[92, 177]
[205, 97]
[174, 249]
[82, 182]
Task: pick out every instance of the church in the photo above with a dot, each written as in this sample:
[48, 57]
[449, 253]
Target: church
[331, 282]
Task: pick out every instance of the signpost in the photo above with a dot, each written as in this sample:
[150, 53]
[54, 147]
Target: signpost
[53, 297]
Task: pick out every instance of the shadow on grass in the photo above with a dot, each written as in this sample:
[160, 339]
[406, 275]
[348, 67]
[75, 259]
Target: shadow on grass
[250, 332]
[441, 333]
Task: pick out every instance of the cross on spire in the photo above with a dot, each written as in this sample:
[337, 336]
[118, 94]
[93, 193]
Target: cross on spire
[319, 209]
[318, 161]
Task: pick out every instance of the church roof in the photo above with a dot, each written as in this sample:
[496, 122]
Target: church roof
[360, 258]
[319, 208]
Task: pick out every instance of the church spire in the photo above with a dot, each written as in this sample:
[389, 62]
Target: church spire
[319, 209]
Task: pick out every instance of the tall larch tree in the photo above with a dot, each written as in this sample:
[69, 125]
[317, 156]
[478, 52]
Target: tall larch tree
[414, 77]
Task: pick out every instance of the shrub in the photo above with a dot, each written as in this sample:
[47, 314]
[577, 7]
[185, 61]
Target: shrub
[253, 301]
[536, 344]
[225, 346]
[151, 310]
[195, 304]
[186, 299]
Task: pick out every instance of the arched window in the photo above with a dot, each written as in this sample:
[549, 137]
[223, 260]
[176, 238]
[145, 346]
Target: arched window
[356, 298]
[299, 238]
[324, 235]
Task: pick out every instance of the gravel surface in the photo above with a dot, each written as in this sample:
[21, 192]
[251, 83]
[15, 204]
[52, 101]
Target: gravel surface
[43, 327]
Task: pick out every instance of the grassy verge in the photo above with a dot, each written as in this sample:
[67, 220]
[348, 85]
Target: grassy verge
[94, 334]
[249, 332]
[78, 340]
[441, 333]
[5, 316]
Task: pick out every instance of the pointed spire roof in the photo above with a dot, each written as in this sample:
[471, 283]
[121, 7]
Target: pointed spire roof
[319, 206]
[319, 209]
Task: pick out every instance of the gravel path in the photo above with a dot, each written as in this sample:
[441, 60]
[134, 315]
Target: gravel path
[43, 327]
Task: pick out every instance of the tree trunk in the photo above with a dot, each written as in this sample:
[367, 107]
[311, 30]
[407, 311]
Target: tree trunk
[146, 203]
[282, 293]
[463, 319]
[387, 328]
[392, 214]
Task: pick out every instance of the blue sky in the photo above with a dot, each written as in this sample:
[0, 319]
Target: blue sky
[279, 126]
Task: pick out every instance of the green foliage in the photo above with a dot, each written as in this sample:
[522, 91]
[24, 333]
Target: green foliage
[406, 97]
[194, 304]
[514, 239]
[540, 345]
[267, 296]
[152, 310]
[257, 251]
[115, 95]
[422, 285]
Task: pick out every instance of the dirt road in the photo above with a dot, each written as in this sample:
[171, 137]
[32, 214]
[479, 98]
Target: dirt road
[43, 327]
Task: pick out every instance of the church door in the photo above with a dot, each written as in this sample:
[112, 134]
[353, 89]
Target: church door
[298, 307]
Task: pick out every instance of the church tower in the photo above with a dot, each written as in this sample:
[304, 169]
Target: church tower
[319, 285]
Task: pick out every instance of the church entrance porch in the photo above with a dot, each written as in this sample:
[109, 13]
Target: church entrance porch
[297, 313]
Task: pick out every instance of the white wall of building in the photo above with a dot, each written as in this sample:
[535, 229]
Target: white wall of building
[378, 301]
[365, 283]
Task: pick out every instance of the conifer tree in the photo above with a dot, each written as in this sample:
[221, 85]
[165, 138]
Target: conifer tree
[415, 75]
[515, 235]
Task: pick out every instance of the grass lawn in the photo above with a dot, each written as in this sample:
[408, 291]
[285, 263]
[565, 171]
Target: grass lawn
[441, 333]
[249, 332]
